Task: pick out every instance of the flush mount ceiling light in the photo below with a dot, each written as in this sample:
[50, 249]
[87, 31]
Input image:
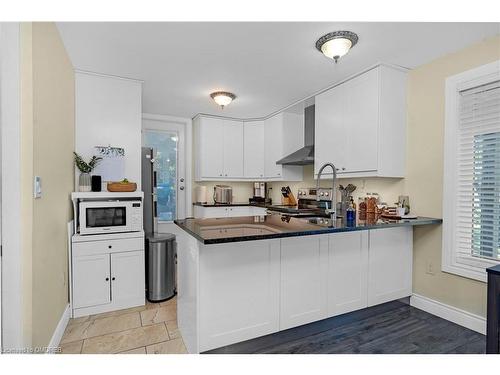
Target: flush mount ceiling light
[222, 98]
[337, 44]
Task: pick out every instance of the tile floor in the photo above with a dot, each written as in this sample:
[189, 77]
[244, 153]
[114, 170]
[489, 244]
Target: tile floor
[149, 329]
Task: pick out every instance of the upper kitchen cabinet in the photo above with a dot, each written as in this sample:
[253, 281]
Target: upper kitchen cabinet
[108, 112]
[239, 151]
[361, 125]
[218, 148]
[284, 134]
[253, 149]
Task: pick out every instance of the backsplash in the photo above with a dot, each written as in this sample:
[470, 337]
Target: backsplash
[388, 188]
[241, 190]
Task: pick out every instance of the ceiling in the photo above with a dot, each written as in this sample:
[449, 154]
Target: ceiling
[268, 65]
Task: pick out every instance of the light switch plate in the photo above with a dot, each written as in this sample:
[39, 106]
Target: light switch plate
[37, 187]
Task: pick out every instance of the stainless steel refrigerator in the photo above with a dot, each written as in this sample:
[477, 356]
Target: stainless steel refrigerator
[149, 183]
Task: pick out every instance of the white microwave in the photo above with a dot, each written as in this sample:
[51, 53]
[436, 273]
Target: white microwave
[100, 217]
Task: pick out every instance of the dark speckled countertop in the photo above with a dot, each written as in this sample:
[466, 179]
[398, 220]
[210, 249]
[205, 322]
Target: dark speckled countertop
[251, 228]
[495, 270]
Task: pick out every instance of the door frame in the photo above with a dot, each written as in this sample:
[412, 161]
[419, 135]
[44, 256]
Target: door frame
[12, 292]
[187, 125]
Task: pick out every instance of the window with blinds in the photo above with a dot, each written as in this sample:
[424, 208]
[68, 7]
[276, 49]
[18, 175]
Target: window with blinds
[478, 172]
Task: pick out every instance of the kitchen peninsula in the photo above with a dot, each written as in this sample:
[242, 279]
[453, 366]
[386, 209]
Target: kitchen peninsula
[245, 277]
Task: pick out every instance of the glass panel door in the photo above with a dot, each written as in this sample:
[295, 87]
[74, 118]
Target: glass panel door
[165, 145]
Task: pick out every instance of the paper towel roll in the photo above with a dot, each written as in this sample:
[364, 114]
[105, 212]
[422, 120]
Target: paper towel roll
[201, 194]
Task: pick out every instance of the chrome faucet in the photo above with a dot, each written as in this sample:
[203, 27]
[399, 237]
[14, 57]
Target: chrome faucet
[333, 210]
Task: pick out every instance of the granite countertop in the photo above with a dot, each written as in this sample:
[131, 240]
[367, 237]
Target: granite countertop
[494, 270]
[251, 228]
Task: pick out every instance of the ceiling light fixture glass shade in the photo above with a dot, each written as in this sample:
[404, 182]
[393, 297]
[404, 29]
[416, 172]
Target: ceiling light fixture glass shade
[337, 44]
[222, 98]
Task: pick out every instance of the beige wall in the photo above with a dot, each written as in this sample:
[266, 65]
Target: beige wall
[424, 182]
[26, 163]
[48, 106]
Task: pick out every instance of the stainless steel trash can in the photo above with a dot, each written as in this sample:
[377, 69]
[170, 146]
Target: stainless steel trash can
[161, 267]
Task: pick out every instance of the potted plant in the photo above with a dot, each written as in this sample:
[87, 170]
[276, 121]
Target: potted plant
[84, 181]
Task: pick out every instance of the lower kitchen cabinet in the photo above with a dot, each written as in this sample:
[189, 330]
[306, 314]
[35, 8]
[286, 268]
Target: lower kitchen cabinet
[107, 273]
[232, 292]
[227, 211]
[127, 277]
[347, 272]
[91, 280]
[390, 264]
[304, 268]
[238, 292]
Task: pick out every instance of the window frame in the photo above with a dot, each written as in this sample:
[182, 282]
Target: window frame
[471, 267]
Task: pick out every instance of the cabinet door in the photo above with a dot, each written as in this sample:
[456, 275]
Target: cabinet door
[127, 278]
[273, 146]
[91, 280]
[330, 131]
[211, 143]
[233, 149]
[361, 119]
[304, 268]
[239, 211]
[211, 212]
[238, 292]
[390, 264]
[347, 272]
[253, 135]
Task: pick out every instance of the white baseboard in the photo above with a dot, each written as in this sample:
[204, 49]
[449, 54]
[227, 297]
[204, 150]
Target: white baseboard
[59, 331]
[458, 316]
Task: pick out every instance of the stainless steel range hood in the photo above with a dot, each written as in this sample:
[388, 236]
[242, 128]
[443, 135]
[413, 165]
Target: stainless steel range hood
[305, 155]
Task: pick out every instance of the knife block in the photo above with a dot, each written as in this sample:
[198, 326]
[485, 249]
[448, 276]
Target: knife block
[288, 201]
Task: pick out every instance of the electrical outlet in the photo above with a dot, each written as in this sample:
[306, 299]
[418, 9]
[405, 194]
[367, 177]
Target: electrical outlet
[429, 268]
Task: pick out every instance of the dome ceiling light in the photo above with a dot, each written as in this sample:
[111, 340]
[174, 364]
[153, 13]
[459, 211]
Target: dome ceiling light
[222, 98]
[337, 44]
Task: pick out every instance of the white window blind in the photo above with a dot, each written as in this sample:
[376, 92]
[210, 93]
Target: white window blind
[478, 173]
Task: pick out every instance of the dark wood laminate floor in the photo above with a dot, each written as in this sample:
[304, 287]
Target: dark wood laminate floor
[390, 328]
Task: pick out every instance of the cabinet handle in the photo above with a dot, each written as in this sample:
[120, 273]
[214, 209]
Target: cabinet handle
[109, 246]
[107, 278]
[113, 279]
[343, 168]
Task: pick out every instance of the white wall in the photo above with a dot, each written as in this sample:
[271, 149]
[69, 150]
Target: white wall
[12, 327]
[108, 112]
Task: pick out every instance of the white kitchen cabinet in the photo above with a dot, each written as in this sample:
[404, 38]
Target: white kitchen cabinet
[236, 151]
[228, 211]
[284, 134]
[304, 268]
[218, 148]
[233, 149]
[253, 148]
[347, 272]
[361, 125]
[208, 147]
[127, 277]
[238, 292]
[91, 280]
[107, 272]
[390, 264]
